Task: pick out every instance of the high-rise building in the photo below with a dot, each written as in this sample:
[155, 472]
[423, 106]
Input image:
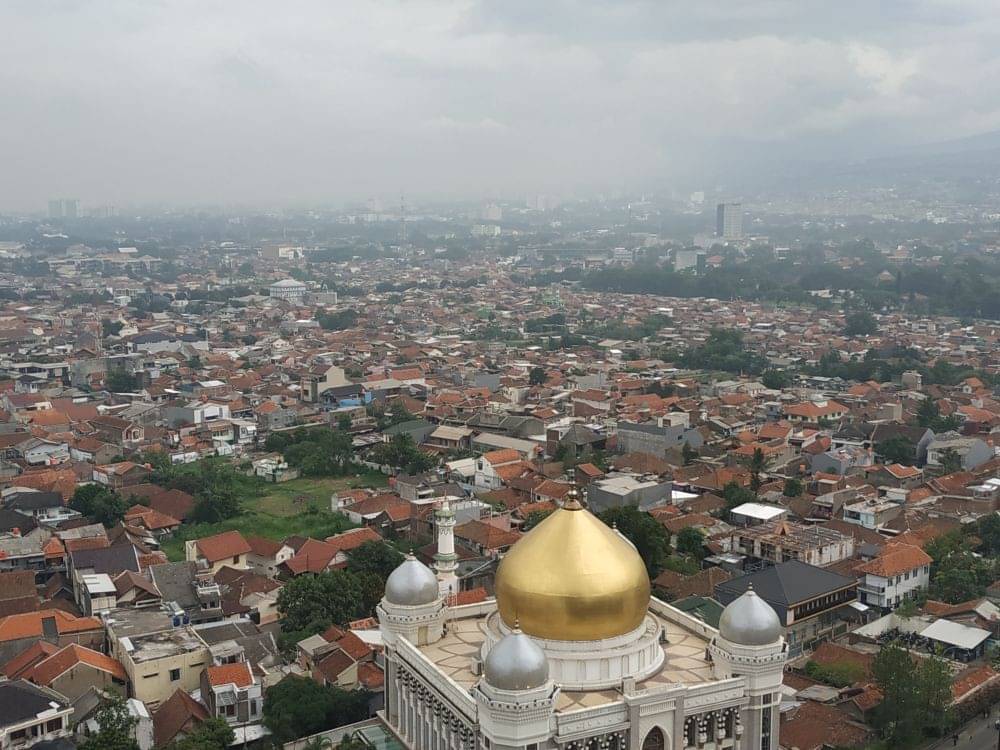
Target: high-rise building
[729, 221]
[63, 208]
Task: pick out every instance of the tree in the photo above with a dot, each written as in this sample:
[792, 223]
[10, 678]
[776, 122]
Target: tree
[374, 557]
[119, 381]
[537, 376]
[98, 502]
[860, 323]
[896, 716]
[344, 423]
[688, 454]
[756, 464]
[934, 694]
[961, 576]
[310, 604]
[690, 542]
[775, 379]
[217, 496]
[950, 460]
[115, 727]
[534, 518]
[793, 488]
[988, 531]
[111, 327]
[897, 450]
[298, 707]
[211, 734]
[734, 495]
[640, 528]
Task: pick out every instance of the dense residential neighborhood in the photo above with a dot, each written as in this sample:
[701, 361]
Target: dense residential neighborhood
[212, 463]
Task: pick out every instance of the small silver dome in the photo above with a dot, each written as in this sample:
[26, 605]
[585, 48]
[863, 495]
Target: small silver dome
[516, 663]
[750, 621]
[411, 584]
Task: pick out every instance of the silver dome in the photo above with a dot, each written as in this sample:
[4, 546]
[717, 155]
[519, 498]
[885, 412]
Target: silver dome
[750, 621]
[516, 663]
[411, 584]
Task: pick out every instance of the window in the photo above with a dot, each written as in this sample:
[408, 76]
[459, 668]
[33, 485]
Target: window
[54, 725]
[236, 558]
[655, 740]
[175, 674]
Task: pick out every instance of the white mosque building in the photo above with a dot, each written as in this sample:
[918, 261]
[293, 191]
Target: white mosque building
[573, 654]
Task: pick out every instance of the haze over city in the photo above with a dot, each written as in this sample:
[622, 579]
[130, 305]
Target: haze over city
[227, 103]
[499, 375]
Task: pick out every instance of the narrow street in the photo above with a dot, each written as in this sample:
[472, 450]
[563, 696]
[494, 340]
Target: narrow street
[977, 735]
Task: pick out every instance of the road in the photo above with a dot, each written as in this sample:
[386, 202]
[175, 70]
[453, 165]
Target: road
[976, 735]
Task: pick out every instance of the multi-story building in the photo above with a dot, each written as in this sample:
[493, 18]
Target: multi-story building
[780, 541]
[900, 572]
[729, 221]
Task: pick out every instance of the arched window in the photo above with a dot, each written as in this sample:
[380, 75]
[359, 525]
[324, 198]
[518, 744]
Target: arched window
[654, 740]
[594, 744]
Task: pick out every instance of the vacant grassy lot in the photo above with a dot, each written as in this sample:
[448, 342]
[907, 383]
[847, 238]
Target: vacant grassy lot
[301, 506]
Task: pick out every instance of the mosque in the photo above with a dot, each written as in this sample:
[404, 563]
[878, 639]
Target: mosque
[573, 653]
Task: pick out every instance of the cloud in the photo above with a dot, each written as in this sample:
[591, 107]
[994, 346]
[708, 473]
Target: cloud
[185, 101]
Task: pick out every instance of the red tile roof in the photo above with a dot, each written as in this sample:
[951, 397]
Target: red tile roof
[238, 674]
[221, 546]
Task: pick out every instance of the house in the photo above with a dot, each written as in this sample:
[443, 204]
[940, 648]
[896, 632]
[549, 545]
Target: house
[176, 718]
[73, 670]
[44, 507]
[30, 714]
[263, 555]
[211, 553]
[972, 451]
[872, 513]
[494, 468]
[159, 653]
[54, 626]
[318, 379]
[121, 475]
[814, 411]
[231, 692]
[656, 439]
[809, 601]
[898, 573]
[118, 431]
[620, 490]
[17, 592]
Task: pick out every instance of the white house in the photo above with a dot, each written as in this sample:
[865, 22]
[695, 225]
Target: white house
[899, 573]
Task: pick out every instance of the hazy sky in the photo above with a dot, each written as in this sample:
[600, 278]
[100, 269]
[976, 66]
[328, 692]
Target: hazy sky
[128, 101]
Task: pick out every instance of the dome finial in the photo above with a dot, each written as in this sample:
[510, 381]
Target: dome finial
[572, 501]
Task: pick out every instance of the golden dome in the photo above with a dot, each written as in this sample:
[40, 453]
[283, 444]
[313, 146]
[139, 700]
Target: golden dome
[571, 578]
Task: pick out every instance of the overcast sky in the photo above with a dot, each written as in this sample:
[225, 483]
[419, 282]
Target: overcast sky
[129, 101]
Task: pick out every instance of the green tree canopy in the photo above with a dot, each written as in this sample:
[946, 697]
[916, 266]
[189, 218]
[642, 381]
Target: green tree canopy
[691, 542]
[374, 557]
[734, 495]
[916, 696]
[100, 503]
[212, 734]
[115, 727]
[537, 376]
[897, 450]
[860, 323]
[298, 707]
[793, 488]
[640, 528]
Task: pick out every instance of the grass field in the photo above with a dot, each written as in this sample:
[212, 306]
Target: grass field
[301, 506]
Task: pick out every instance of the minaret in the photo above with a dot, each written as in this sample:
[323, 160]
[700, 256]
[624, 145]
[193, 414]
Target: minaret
[446, 561]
